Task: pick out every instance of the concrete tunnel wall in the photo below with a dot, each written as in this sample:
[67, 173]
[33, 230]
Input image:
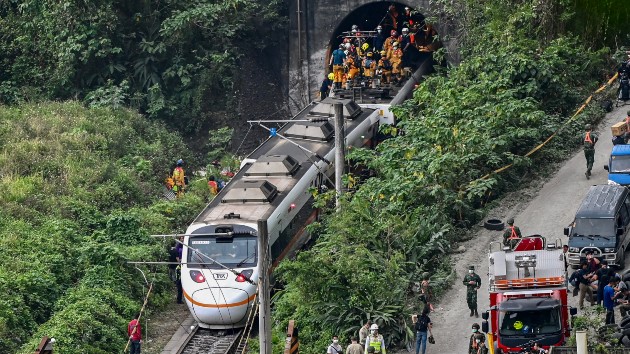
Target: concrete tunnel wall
[311, 30]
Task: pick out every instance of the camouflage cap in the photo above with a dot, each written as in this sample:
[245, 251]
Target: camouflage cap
[588, 127]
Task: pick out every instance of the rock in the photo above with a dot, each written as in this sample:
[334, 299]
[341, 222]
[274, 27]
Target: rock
[460, 249]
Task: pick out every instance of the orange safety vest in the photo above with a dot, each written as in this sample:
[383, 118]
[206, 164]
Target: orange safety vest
[587, 138]
[513, 235]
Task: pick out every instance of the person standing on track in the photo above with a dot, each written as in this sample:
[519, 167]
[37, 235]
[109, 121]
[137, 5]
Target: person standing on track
[337, 61]
[472, 282]
[511, 234]
[134, 331]
[589, 139]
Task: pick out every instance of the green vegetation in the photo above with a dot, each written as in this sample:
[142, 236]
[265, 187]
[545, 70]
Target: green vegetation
[175, 60]
[80, 197]
[511, 92]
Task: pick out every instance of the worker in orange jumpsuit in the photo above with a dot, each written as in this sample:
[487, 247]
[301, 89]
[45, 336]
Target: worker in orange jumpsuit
[353, 68]
[385, 68]
[369, 66]
[395, 57]
[179, 177]
[389, 41]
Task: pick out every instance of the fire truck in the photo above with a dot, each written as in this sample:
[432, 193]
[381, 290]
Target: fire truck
[528, 296]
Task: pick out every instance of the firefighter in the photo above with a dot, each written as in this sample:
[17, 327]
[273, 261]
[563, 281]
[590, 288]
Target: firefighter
[326, 86]
[379, 40]
[337, 60]
[395, 57]
[179, 177]
[472, 282]
[375, 340]
[511, 234]
[389, 41]
[369, 66]
[477, 343]
[353, 68]
[385, 68]
[589, 139]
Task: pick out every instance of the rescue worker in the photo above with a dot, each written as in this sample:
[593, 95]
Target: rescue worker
[472, 282]
[179, 177]
[385, 68]
[395, 57]
[353, 68]
[362, 50]
[213, 186]
[375, 341]
[369, 66]
[389, 41]
[326, 86]
[476, 344]
[337, 61]
[511, 234]
[536, 349]
[589, 139]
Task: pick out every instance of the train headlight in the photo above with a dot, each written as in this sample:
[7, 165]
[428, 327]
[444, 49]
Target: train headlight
[574, 249]
[244, 276]
[609, 250]
[197, 276]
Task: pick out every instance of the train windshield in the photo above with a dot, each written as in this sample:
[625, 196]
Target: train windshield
[620, 164]
[530, 322]
[233, 252]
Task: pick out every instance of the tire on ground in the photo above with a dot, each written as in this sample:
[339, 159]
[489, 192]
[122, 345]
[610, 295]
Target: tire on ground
[494, 224]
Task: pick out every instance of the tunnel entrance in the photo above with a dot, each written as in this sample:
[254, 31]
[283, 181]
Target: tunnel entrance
[390, 16]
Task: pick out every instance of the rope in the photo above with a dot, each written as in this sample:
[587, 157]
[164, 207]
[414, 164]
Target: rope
[250, 318]
[146, 300]
[539, 146]
[245, 138]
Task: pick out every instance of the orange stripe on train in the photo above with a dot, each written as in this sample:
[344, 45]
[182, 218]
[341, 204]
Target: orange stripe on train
[240, 303]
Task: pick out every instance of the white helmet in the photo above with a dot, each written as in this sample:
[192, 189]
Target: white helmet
[379, 27]
[374, 326]
[348, 45]
[405, 30]
[355, 27]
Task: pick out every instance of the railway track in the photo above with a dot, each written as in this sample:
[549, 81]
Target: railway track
[207, 341]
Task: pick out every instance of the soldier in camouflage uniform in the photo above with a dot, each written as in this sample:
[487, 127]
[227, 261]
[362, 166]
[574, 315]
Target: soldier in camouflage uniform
[589, 139]
[473, 283]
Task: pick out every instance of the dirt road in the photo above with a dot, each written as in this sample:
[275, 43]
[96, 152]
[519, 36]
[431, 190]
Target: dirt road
[545, 211]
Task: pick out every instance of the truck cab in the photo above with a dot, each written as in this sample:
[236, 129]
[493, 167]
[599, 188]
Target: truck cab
[528, 296]
[619, 165]
[601, 226]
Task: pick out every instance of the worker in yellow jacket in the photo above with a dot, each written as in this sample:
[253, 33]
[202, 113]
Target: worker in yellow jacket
[179, 177]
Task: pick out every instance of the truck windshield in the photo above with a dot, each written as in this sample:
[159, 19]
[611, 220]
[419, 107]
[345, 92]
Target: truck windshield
[593, 227]
[532, 322]
[234, 252]
[620, 164]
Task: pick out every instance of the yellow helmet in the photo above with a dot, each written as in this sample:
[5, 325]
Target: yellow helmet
[365, 46]
[331, 76]
[383, 53]
[369, 54]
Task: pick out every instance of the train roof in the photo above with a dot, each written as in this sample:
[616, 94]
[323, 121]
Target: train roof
[260, 186]
[602, 201]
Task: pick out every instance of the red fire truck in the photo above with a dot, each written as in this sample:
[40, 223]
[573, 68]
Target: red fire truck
[528, 296]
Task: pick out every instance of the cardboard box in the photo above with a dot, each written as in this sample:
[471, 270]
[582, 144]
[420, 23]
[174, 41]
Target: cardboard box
[619, 128]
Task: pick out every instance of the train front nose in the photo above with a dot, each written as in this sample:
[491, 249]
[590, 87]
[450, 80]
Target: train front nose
[220, 307]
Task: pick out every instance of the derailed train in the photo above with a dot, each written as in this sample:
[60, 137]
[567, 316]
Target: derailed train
[274, 185]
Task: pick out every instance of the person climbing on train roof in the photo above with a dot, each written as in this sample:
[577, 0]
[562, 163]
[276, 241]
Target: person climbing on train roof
[179, 177]
[326, 86]
[337, 62]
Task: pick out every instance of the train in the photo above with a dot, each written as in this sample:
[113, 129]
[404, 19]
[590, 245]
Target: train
[274, 185]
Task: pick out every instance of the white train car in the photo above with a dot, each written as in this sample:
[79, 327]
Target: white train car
[273, 185]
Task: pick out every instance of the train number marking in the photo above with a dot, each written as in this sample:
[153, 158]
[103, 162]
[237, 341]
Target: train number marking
[219, 276]
[200, 242]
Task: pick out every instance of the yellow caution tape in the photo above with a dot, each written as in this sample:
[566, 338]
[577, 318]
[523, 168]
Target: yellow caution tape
[579, 110]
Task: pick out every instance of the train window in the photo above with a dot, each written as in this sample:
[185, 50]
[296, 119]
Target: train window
[235, 252]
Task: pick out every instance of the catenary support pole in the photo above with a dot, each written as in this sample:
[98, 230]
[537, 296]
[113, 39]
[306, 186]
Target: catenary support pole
[264, 318]
[339, 151]
[580, 339]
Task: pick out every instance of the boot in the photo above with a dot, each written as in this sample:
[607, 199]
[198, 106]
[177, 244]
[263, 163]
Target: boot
[472, 313]
[476, 313]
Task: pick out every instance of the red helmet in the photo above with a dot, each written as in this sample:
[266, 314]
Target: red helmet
[393, 33]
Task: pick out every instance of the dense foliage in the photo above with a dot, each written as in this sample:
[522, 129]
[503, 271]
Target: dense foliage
[511, 91]
[80, 197]
[175, 60]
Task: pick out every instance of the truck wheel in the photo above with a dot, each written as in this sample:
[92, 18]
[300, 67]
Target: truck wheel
[494, 224]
